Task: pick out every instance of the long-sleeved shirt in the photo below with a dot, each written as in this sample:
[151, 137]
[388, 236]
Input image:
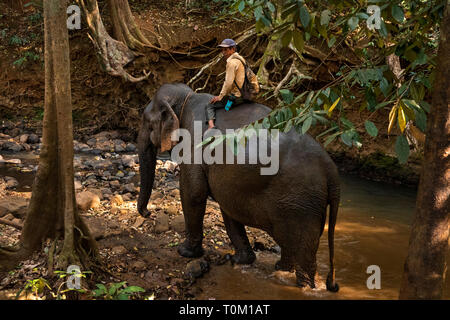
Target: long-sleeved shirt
[235, 71]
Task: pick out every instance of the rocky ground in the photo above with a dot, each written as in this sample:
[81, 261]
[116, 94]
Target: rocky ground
[137, 250]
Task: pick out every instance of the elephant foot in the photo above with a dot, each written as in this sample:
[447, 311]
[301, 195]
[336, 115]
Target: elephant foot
[331, 284]
[243, 257]
[189, 251]
[281, 265]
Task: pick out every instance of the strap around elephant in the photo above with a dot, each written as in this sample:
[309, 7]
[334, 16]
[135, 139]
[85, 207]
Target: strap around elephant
[184, 104]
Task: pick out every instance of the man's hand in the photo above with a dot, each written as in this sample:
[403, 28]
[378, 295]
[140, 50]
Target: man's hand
[215, 99]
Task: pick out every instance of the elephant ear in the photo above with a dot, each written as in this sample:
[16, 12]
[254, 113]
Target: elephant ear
[170, 124]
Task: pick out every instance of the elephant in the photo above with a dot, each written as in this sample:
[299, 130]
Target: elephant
[291, 206]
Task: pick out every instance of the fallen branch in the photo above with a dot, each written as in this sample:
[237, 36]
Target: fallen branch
[12, 224]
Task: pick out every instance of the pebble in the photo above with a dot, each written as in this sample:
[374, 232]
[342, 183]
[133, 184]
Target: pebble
[161, 222]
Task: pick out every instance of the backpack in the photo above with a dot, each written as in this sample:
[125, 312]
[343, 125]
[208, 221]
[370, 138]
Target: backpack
[250, 87]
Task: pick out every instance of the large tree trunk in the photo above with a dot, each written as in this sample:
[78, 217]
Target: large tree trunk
[113, 55]
[425, 265]
[124, 25]
[52, 212]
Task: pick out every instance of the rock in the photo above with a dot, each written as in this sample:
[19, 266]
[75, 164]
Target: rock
[87, 200]
[172, 210]
[178, 224]
[129, 188]
[196, 268]
[130, 147]
[114, 184]
[98, 192]
[127, 196]
[119, 250]
[23, 138]
[128, 161]
[170, 166]
[33, 138]
[120, 174]
[116, 200]
[17, 221]
[156, 195]
[175, 193]
[91, 142]
[161, 222]
[12, 146]
[106, 191]
[139, 222]
[11, 183]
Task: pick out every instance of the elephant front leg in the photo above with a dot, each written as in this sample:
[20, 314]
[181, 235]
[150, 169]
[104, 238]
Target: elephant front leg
[194, 193]
[238, 236]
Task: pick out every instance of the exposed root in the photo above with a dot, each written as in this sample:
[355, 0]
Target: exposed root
[11, 223]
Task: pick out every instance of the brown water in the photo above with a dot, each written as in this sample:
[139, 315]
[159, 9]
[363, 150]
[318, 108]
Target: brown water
[373, 229]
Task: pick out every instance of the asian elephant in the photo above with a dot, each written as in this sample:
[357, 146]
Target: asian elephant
[291, 205]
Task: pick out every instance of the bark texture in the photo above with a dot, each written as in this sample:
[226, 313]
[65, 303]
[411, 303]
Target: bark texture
[425, 266]
[113, 55]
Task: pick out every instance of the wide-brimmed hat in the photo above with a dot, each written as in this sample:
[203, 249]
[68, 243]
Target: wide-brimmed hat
[227, 43]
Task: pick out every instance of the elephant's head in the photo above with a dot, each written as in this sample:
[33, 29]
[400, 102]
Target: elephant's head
[158, 122]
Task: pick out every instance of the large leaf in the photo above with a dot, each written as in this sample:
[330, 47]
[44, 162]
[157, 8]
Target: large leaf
[306, 125]
[298, 40]
[402, 149]
[392, 117]
[286, 38]
[325, 17]
[398, 13]
[305, 18]
[401, 118]
[371, 128]
[353, 22]
[287, 95]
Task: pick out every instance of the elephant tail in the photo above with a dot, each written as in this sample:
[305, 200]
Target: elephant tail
[334, 205]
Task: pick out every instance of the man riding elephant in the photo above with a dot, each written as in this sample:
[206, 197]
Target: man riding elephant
[234, 82]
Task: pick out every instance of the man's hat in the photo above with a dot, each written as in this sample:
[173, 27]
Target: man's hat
[227, 43]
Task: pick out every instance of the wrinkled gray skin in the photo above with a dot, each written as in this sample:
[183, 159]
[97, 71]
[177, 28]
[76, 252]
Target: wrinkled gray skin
[291, 206]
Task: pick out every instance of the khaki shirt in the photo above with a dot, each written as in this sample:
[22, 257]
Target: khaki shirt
[235, 71]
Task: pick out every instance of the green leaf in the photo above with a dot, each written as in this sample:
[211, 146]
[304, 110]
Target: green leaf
[383, 104]
[371, 128]
[306, 125]
[266, 123]
[332, 41]
[347, 138]
[288, 126]
[271, 7]
[398, 13]
[304, 16]
[384, 86]
[353, 23]
[286, 38]
[259, 12]
[241, 6]
[132, 289]
[287, 95]
[298, 40]
[421, 120]
[325, 17]
[330, 138]
[383, 30]
[402, 149]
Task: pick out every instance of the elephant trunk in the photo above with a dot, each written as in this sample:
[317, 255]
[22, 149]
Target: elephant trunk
[147, 165]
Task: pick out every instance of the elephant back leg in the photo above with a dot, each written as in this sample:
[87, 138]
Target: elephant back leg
[299, 242]
[238, 236]
[194, 193]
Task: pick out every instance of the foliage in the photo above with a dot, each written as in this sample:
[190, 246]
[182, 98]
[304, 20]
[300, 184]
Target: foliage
[116, 291]
[408, 29]
[35, 286]
[27, 56]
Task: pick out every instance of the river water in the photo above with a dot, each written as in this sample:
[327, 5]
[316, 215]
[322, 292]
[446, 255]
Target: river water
[373, 228]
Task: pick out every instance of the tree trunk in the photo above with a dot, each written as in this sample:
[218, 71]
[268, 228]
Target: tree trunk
[113, 55]
[52, 211]
[124, 25]
[425, 266]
